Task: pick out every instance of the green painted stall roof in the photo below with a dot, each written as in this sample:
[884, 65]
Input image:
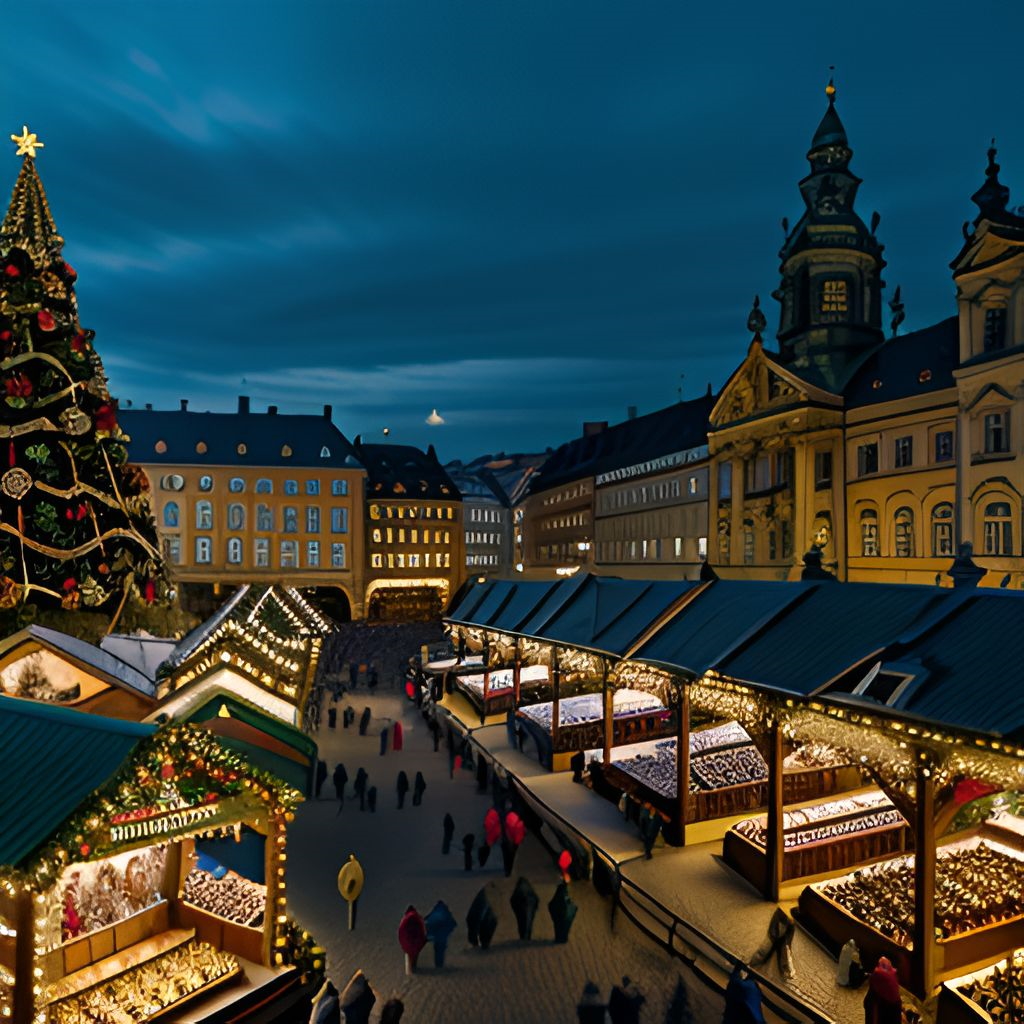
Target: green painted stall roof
[254, 716]
[53, 759]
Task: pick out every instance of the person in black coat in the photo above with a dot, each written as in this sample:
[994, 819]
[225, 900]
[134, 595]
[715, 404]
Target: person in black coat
[392, 1011]
[340, 779]
[321, 776]
[449, 832]
[481, 775]
[371, 799]
[625, 1002]
[481, 921]
[348, 716]
[364, 721]
[383, 741]
[435, 732]
[332, 718]
[467, 850]
[524, 903]
[357, 1000]
[562, 911]
[418, 787]
[402, 787]
[360, 787]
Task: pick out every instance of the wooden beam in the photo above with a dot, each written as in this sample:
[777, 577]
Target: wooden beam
[608, 715]
[923, 962]
[487, 679]
[683, 762]
[776, 812]
[556, 682]
[517, 668]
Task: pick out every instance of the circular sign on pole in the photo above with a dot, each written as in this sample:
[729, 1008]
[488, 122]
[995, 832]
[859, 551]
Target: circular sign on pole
[350, 885]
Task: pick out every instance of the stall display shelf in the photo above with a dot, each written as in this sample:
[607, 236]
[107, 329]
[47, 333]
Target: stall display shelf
[232, 897]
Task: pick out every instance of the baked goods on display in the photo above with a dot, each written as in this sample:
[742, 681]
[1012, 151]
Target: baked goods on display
[814, 755]
[999, 993]
[827, 822]
[232, 897]
[974, 886]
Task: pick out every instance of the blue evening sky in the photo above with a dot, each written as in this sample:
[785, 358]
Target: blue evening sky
[525, 213]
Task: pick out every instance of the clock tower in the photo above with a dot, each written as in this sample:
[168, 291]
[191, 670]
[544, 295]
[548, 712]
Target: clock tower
[831, 267]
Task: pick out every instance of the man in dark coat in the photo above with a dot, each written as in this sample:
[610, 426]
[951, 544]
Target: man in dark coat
[360, 787]
[467, 850]
[392, 1010]
[321, 776]
[524, 903]
[449, 832]
[435, 732]
[364, 721]
[384, 741]
[348, 716]
[340, 779]
[481, 921]
[650, 826]
[418, 787]
[403, 787]
[562, 911]
[625, 1002]
[481, 775]
[332, 718]
[590, 1009]
[326, 1007]
[577, 763]
[357, 1000]
[374, 679]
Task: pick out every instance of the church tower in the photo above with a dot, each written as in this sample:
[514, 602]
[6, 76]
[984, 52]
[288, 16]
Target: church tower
[831, 267]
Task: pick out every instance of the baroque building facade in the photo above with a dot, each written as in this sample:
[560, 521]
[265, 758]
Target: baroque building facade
[885, 453]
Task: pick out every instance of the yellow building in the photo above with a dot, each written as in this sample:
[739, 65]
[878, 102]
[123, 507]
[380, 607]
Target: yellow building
[887, 454]
[255, 498]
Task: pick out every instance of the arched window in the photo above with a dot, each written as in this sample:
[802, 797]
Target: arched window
[291, 519]
[264, 486]
[325, 452]
[171, 513]
[206, 483]
[234, 550]
[236, 485]
[204, 515]
[236, 517]
[942, 530]
[172, 482]
[291, 487]
[264, 518]
[904, 522]
[869, 533]
[998, 528]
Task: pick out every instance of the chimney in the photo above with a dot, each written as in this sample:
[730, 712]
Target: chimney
[594, 427]
[184, 405]
[328, 411]
[243, 404]
[630, 412]
[271, 410]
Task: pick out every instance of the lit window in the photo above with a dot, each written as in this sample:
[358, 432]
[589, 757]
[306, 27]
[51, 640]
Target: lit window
[172, 482]
[325, 452]
[313, 487]
[204, 549]
[264, 486]
[171, 514]
[376, 560]
[172, 550]
[702, 547]
[290, 519]
[312, 519]
[998, 529]
[234, 550]
[869, 533]
[204, 515]
[942, 530]
[904, 453]
[339, 520]
[313, 554]
[241, 449]
[286, 451]
[289, 554]
[206, 483]
[904, 523]
[264, 518]
[236, 517]
[236, 485]
[834, 301]
[338, 555]
[691, 485]
[261, 550]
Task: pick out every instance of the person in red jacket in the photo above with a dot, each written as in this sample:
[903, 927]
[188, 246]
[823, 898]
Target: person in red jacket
[882, 1004]
[412, 937]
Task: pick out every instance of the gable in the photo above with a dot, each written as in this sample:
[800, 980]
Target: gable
[761, 386]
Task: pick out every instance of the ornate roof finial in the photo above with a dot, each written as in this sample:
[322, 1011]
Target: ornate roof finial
[27, 142]
[831, 131]
[830, 89]
[756, 322]
[992, 197]
[899, 313]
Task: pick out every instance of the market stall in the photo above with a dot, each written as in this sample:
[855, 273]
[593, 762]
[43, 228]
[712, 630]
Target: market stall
[152, 890]
[992, 995]
[494, 694]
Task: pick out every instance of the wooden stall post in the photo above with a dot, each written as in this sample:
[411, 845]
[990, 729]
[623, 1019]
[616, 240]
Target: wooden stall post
[517, 668]
[556, 711]
[487, 679]
[607, 715]
[776, 810]
[923, 957]
[682, 761]
[460, 653]
[24, 958]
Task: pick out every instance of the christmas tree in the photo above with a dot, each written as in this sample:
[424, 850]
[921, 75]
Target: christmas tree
[76, 530]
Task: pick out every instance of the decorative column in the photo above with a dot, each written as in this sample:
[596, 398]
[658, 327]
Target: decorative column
[923, 959]
[607, 714]
[556, 711]
[682, 702]
[776, 810]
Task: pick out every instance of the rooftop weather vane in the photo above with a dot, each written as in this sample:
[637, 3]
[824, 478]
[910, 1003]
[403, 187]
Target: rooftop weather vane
[27, 142]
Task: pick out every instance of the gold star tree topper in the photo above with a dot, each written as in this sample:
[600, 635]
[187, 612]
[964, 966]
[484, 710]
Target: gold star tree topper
[27, 142]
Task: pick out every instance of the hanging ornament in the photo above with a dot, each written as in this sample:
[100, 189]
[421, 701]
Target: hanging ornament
[75, 421]
[15, 483]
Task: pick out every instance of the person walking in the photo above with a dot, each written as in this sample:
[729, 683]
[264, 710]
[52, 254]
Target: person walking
[332, 718]
[412, 937]
[440, 925]
[882, 1004]
[403, 787]
[384, 741]
[449, 833]
[364, 721]
[360, 787]
[467, 851]
[340, 779]
[418, 788]
[321, 775]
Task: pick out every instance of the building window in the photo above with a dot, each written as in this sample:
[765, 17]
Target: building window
[724, 480]
[995, 328]
[339, 520]
[204, 515]
[234, 550]
[261, 550]
[869, 533]
[944, 446]
[236, 517]
[289, 554]
[904, 522]
[748, 542]
[204, 549]
[206, 483]
[264, 518]
[867, 459]
[998, 529]
[904, 453]
[833, 302]
[942, 530]
[291, 487]
[702, 548]
[313, 554]
[997, 433]
[339, 488]
[290, 519]
[338, 555]
[264, 486]
[376, 560]
[758, 471]
[692, 486]
[376, 535]
[325, 453]
[313, 487]
[822, 470]
[784, 468]
[172, 550]
[172, 482]
[171, 514]
[312, 519]
[236, 485]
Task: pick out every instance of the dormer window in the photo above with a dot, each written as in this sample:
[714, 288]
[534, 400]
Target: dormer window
[995, 328]
[834, 302]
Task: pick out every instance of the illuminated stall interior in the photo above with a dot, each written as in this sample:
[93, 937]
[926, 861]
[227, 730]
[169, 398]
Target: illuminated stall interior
[146, 870]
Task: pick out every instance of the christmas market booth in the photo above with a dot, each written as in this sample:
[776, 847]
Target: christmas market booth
[144, 869]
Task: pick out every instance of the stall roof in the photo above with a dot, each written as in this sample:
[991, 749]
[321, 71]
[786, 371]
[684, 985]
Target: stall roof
[54, 758]
[833, 627]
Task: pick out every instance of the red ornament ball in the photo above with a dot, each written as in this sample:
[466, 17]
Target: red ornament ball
[45, 320]
[564, 860]
[12, 271]
[84, 849]
[166, 770]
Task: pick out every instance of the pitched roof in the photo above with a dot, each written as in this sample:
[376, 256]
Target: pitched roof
[214, 439]
[53, 759]
[676, 428]
[907, 365]
[403, 470]
[144, 653]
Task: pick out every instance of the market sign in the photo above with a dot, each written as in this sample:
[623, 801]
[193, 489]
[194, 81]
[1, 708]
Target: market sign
[151, 822]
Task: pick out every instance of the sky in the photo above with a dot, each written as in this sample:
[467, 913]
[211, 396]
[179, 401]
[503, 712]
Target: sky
[524, 214]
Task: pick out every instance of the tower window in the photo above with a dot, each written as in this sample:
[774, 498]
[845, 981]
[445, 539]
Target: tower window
[995, 328]
[834, 303]
[944, 446]
[867, 459]
[942, 530]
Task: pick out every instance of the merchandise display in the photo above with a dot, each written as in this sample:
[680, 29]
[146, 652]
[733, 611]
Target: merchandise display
[232, 897]
[589, 707]
[1000, 992]
[503, 679]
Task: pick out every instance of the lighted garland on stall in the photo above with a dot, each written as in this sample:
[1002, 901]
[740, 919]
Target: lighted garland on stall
[301, 951]
[180, 761]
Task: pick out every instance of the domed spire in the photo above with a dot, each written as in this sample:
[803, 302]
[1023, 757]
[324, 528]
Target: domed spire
[830, 131]
[756, 322]
[29, 225]
[992, 197]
